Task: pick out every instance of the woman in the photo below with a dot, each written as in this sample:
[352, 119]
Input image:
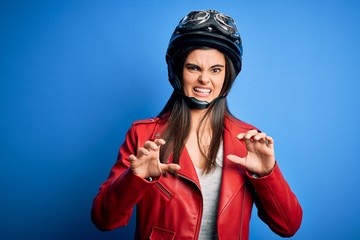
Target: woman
[195, 171]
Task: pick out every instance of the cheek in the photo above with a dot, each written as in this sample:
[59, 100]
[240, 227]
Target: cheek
[187, 79]
[220, 82]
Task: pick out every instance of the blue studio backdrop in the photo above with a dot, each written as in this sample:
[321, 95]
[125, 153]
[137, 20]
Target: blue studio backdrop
[75, 74]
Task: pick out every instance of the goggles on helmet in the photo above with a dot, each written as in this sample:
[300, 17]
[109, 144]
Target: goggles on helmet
[202, 19]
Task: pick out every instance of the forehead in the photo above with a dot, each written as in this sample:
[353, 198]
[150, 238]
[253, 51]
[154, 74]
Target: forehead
[209, 57]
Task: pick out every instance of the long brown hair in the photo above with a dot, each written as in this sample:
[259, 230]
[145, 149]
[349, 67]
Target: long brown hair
[178, 113]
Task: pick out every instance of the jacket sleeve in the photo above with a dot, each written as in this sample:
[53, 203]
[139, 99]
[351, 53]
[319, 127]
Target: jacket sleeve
[112, 206]
[277, 205]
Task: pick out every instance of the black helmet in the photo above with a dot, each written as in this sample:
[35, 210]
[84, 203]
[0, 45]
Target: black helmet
[205, 28]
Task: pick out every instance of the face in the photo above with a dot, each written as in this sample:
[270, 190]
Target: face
[204, 74]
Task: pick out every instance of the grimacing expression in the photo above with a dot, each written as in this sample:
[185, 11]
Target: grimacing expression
[204, 74]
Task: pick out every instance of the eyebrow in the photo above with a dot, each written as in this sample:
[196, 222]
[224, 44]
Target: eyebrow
[217, 65]
[214, 66]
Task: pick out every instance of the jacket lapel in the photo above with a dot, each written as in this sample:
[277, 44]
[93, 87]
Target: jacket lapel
[187, 169]
[232, 174]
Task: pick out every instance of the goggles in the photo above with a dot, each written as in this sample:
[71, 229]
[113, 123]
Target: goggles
[201, 19]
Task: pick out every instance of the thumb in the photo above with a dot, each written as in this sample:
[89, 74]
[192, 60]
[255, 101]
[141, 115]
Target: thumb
[237, 159]
[170, 167]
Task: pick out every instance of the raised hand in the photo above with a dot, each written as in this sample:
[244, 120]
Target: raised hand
[261, 157]
[147, 163]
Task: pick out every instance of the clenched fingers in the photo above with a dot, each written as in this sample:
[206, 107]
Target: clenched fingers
[247, 135]
[154, 145]
[255, 136]
[150, 146]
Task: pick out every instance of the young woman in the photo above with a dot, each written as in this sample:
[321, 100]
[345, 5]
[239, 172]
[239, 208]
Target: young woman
[195, 171]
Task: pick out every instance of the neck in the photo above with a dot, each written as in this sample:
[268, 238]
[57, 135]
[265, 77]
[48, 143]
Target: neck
[196, 116]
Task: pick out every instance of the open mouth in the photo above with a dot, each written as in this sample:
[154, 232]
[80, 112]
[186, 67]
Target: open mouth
[202, 90]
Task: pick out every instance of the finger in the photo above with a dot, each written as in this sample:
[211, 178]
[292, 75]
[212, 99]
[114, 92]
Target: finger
[170, 167]
[250, 134]
[247, 135]
[241, 135]
[142, 152]
[159, 142]
[150, 145]
[236, 159]
[269, 140]
[132, 158]
[260, 136]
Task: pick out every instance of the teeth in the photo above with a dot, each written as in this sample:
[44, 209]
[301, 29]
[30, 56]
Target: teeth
[203, 90]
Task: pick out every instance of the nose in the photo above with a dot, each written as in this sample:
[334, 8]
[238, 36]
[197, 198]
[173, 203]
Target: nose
[203, 79]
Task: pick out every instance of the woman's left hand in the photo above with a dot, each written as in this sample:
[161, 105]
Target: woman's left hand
[261, 157]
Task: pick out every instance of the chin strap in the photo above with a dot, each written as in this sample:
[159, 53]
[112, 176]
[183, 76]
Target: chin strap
[194, 103]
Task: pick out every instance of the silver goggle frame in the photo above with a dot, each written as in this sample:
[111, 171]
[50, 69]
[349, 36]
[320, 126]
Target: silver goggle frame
[196, 19]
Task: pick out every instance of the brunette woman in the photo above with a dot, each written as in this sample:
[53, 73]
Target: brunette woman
[195, 170]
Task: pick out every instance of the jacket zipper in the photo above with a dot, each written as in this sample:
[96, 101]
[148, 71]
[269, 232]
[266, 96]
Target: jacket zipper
[163, 190]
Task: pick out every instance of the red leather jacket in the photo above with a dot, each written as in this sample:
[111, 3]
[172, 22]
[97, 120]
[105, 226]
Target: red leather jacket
[171, 206]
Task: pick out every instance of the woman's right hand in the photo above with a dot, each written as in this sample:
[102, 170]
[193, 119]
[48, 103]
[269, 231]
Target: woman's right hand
[147, 163]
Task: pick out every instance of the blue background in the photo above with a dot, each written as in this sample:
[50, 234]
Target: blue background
[75, 74]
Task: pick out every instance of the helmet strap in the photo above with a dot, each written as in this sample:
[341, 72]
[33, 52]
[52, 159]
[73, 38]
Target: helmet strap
[194, 103]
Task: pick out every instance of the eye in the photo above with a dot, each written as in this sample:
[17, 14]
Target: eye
[192, 67]
[216, 70]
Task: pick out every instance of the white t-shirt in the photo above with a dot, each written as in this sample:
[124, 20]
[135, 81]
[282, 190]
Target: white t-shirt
[210, 188]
